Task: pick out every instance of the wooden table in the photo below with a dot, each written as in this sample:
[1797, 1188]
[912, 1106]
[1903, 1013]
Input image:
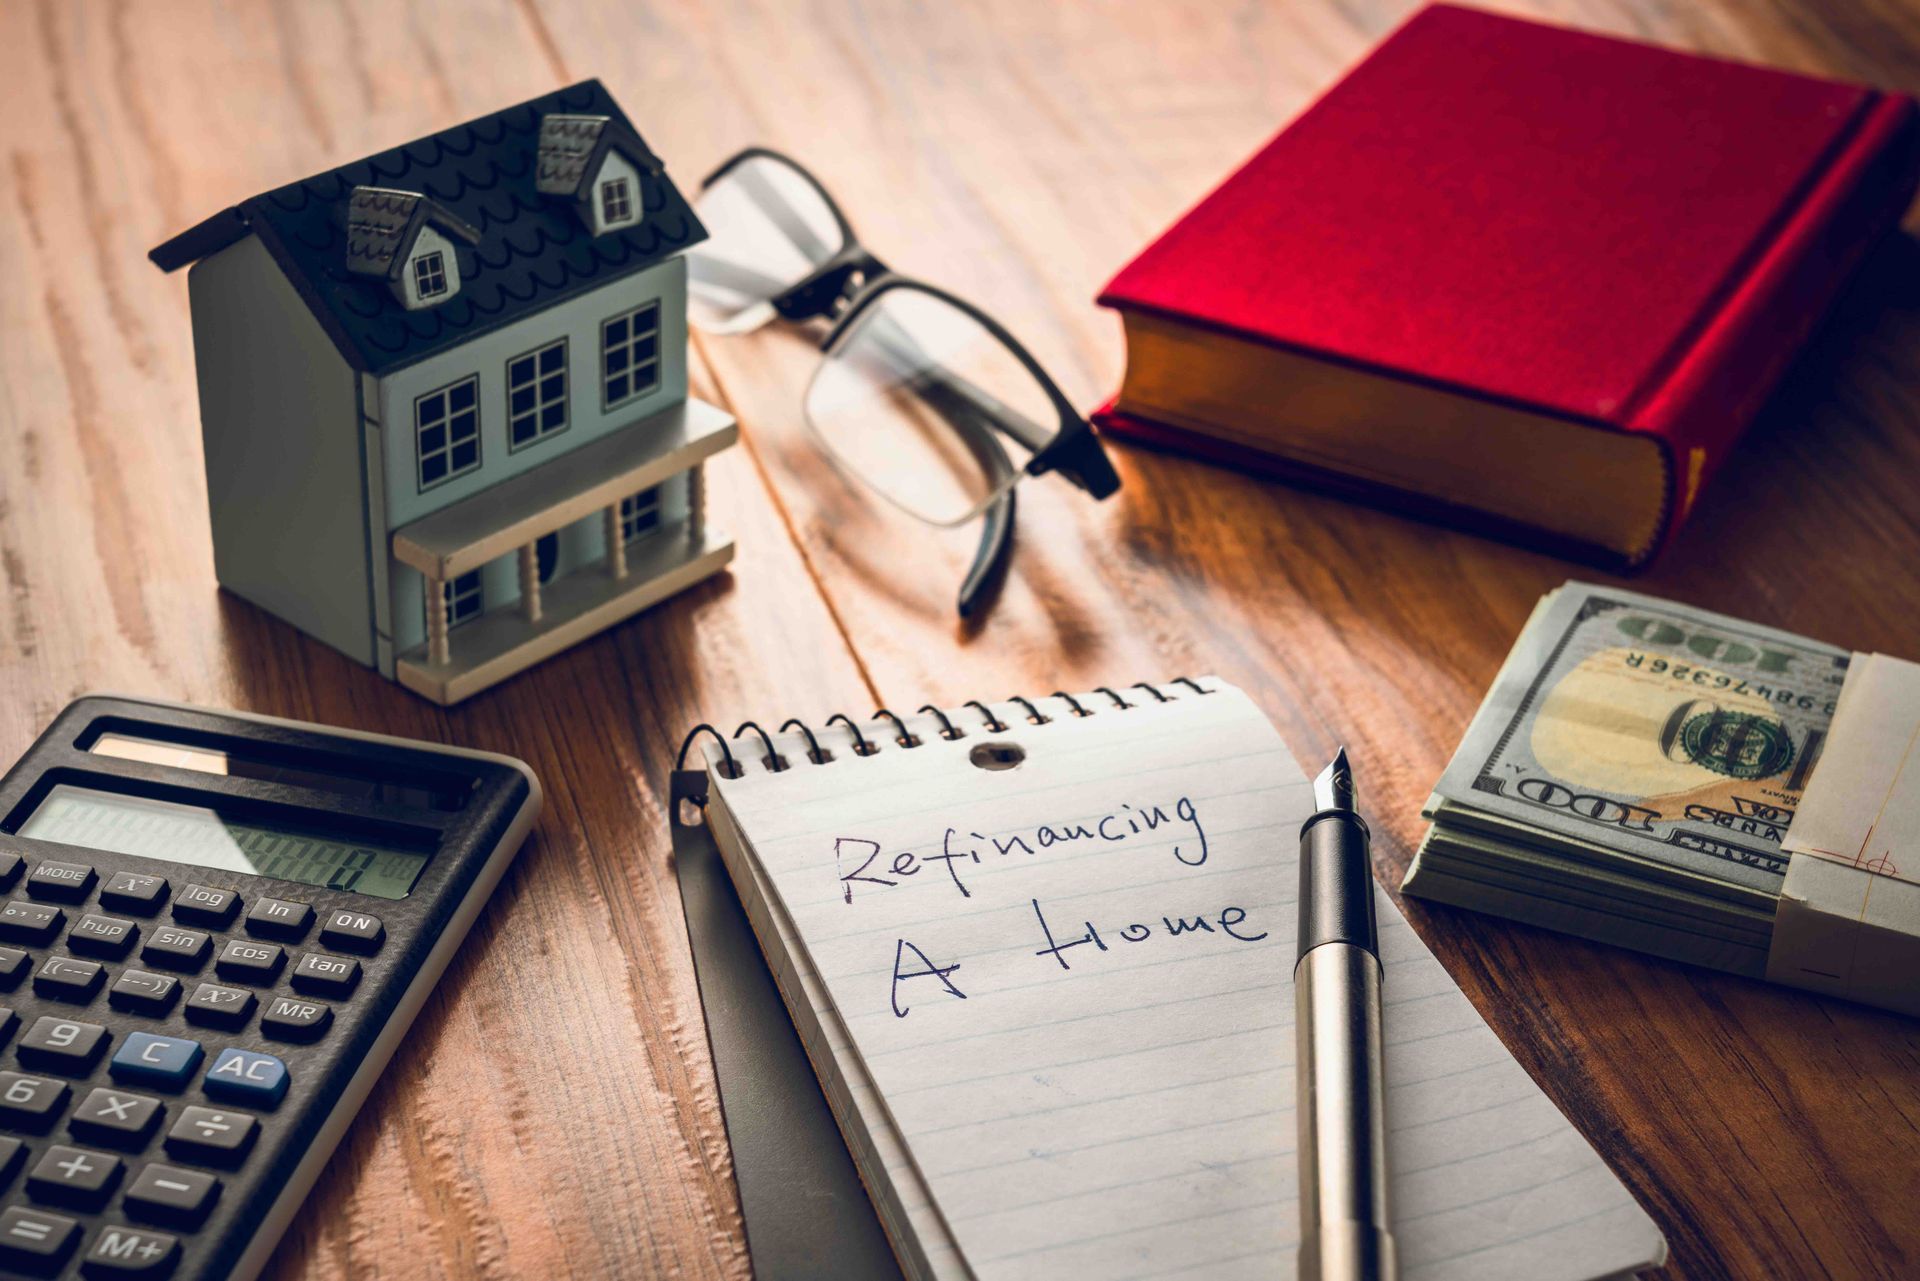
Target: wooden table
[554, 1109]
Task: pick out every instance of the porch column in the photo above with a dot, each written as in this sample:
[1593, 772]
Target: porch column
[616, 545]
[697, 502]
[437, 651]
[530, 582]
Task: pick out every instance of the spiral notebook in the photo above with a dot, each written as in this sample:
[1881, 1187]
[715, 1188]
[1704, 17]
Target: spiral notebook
[1039, 955]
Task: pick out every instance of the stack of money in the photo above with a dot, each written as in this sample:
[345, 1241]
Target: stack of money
[1631, 775]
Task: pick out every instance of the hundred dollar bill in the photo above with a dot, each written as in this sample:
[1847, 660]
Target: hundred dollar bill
[1627, 728]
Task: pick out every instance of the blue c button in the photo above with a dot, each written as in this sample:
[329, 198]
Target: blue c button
[164, 1061]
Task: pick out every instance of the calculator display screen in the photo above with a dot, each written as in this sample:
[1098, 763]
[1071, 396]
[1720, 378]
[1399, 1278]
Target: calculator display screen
[202, 837]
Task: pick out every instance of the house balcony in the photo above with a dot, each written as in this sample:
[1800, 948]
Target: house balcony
[513, 516]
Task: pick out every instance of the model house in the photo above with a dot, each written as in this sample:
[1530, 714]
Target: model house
[443, 394]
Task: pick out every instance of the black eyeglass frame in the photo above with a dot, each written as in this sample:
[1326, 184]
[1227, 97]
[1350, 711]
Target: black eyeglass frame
[852, 280]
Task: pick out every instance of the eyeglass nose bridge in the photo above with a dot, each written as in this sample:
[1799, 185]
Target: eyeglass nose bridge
[831, 289]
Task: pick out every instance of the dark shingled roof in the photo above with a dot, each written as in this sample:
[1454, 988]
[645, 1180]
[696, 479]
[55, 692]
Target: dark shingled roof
[533, 250]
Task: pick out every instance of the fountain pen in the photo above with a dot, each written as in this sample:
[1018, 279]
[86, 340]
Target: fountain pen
[1341, 1086]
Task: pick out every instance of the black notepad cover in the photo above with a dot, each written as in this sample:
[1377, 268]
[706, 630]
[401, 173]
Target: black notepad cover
[806, 1213]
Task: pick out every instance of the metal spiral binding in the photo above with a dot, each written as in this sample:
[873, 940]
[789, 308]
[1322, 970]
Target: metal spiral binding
[906, 739]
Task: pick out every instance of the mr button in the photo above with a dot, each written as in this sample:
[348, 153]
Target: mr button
[288, 1020]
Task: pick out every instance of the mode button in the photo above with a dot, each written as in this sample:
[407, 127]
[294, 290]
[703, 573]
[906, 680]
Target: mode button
[61, 882]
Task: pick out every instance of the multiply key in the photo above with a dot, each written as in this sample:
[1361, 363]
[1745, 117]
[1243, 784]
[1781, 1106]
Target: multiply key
[210, 1136]
[107, 936]
[24, 922]
[115, 1117]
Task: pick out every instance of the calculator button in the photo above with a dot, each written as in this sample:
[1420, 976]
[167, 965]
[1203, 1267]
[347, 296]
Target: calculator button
[216, 1006]
[177, 949]
[66, 978]
[134, 892]
[130, 1252]
[321, 975]
[168, 1194]
[61, 1045]
[23, 922]
[138, 992]
[288, 1020]
[278, 918]
[14, 965]
[10, 865]
[13, 1153]
[244, 1076]
[246, 962]
[211, 1136]
[164, 1061]
[35, 1241]
[30, 1102]
[353, 932]
[61, 882]
[202, 905]
[107, 936]
[115, 1117]
[74, 1177]
[9, 1021]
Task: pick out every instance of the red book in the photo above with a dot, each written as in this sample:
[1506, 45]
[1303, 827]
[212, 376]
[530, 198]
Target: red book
[1513, 275]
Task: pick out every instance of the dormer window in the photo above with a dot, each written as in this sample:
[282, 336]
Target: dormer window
[408, 240]
[430, 274]
[616, 202]
[600, 165]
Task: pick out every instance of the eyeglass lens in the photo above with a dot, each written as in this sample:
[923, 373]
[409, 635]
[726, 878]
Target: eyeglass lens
[768, 229]
[926, 405]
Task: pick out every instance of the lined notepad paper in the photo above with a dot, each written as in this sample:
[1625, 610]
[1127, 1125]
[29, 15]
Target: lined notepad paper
[1051, 1007]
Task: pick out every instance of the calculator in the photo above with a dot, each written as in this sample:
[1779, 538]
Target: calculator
[214, 930]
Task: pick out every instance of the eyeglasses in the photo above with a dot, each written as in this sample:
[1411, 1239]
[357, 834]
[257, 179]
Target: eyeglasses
[920, 396]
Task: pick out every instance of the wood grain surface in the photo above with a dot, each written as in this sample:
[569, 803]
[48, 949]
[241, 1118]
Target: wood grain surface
[553, 1112]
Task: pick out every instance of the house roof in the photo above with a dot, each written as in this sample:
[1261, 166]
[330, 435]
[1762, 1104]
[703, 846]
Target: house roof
[530, 251]
[382, 225]
[571, 148]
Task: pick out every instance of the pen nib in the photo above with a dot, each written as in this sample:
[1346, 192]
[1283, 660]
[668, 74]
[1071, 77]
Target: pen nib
[1333, 790]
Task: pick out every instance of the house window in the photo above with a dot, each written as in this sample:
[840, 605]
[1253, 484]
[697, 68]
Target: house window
[446, 423]
[537, 394]
[630, 355]
[616, 202]
[639, 514]
[463, 599]
[430, 274]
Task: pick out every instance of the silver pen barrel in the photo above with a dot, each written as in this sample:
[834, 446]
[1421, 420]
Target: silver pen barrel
[1339, 1065]
[1342, 1113]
